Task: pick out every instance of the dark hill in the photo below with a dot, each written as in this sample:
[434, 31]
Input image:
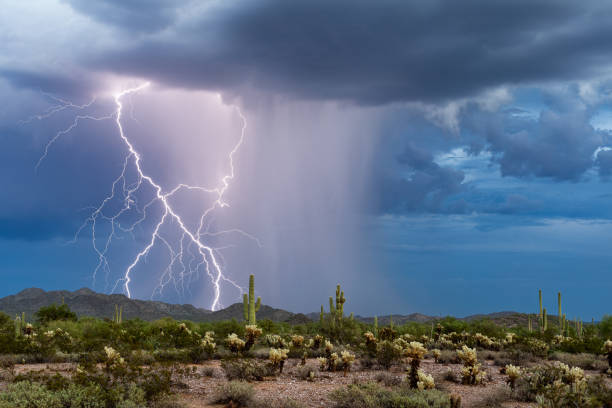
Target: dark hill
[85, 302]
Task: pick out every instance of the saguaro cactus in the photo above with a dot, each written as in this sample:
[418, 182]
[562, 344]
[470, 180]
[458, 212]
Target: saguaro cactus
[561, 317]
[529, 323]
[541, 321]
[248, 303]
[340, 299]
[545, 318]
[118, 317]
[321, 315]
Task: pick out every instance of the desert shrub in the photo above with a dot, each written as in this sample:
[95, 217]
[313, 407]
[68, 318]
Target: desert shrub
[582, 360]
[141, 357]
[387, 353]
[168, 355]
[372, 395]
[26, 394]
[448, 357]
[388, 379]
[209, 372]
[7, 334]
[246, 369]
[559, 385]
[54, 312]
[306, 372]
[450, 375]
[276, 403]
[605, 327]
[167, 403]
[238, 393]
[495, 398]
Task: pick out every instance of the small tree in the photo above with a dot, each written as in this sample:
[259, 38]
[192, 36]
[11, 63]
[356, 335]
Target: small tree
[54, 312]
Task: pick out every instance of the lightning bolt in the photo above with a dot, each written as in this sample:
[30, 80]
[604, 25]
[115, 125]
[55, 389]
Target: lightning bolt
[187, 255]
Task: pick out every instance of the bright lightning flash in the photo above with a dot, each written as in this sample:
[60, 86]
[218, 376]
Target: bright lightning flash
[187, 255]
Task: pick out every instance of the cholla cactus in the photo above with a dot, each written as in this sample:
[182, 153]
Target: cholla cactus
[415, 351]
[322, 363]
[509, 338]
[538, 347]
[317, 341]
[370, 342]
[436, 355]
[274, 340]
[332, 361]
[513, 373]
[252, 333]
[484, 341]
[347, 360]
[471, 372]
[369, 337]
[234, 343]
[184, 329]
[297, 341]
[113, 358]
[425, 382]
[278, 357]
[328, 347]
[28, 329]
[208, 342]
[607, 348]
[467, 355]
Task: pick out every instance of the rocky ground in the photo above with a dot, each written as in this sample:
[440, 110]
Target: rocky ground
[199, 391]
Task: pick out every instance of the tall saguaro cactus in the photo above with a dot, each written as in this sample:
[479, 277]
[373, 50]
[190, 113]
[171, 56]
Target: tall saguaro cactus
[340, 299]
[249, 305]
[561, 317]
[541, 321]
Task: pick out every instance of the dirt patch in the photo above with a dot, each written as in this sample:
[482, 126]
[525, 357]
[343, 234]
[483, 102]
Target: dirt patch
[199, 392]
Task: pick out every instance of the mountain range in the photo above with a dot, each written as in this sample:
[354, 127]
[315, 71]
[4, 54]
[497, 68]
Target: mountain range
[85, 302]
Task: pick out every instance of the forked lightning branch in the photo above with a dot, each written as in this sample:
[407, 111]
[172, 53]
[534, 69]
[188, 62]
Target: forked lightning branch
[190, 253]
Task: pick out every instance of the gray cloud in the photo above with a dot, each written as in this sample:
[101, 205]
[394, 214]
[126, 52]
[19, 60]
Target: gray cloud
[132, 16]
[418, 185]
[374, 52]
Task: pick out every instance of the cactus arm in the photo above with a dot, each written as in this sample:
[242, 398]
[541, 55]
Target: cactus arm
[245, 307]
[258, 304]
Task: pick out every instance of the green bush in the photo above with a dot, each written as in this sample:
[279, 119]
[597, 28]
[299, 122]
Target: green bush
[372, 395]
[27, 394]
[54, 312]
[7, 334]
[236, 392]
[247, 369]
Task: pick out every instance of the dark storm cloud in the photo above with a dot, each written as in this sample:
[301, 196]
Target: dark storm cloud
[418, 185]
[373, 52]
[558, 144]
[66, 84]
[133, 15]
[604, 161]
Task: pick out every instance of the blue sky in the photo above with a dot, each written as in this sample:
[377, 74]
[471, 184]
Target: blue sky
[440, 157]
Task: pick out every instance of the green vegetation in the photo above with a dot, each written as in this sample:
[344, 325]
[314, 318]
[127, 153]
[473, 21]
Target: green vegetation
[372, 395]
[108, 357]
[54, 313]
